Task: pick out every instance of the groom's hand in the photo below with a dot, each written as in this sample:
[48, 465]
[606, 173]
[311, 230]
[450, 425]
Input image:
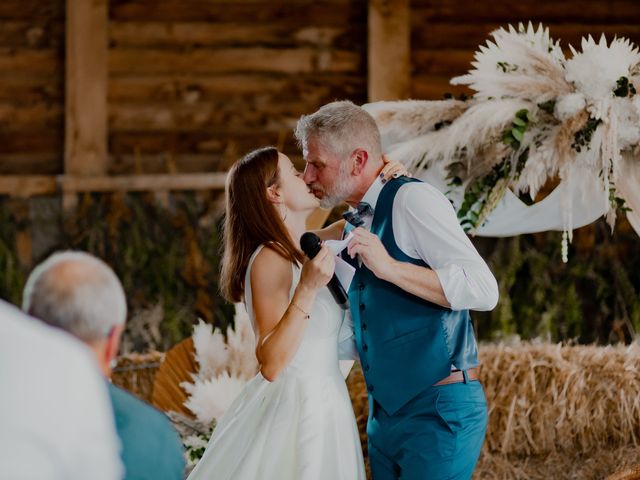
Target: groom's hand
[372, 252]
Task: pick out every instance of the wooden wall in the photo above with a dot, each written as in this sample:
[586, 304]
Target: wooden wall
[192, 84]
[446, 33]
[31, 86]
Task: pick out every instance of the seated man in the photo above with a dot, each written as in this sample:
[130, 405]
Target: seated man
[80, 294]
[56, 421]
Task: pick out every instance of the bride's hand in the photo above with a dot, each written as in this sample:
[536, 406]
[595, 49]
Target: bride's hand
[317, 272]
[392, 169]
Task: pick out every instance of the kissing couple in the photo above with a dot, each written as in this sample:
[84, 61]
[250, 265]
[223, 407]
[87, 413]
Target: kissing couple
[417, 275]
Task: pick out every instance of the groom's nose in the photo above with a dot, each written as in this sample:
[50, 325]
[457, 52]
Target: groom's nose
[309, 174]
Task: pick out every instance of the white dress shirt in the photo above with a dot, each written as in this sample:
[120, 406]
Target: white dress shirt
[56, 421]
[425, 227]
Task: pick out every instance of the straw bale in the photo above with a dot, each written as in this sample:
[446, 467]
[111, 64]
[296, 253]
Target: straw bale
[547, 398]
[554, 411]
[136, 373]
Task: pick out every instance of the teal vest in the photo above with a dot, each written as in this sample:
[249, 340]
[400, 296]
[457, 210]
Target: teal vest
[406, 344]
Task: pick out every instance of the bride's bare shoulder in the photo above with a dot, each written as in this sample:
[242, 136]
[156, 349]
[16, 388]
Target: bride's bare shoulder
[270, 271]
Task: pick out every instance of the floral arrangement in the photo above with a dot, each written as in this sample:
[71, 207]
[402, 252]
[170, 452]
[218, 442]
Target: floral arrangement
[226, 363]
[535, 116]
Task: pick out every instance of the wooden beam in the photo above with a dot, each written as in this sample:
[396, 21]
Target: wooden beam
[389, 50]
[144, 183]
[24, 186]
[86, 88]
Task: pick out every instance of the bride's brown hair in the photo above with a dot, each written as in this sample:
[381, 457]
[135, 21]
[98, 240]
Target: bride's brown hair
[251, 219]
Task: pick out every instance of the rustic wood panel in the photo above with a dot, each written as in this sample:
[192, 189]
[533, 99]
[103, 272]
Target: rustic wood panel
[446, 33]
[203, 82]
[31, 86]
[504, 11]
[309, 12]
[174, 35]
[227, 60]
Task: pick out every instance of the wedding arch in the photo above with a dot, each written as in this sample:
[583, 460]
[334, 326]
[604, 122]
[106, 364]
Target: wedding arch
[536, 118]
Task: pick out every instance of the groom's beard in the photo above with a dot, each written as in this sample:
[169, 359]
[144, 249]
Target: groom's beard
[336, 193]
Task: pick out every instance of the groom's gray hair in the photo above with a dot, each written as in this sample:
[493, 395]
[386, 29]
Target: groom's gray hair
[78, 293]
[340, 127]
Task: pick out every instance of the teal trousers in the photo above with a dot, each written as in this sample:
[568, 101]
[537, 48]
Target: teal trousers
[438, 435]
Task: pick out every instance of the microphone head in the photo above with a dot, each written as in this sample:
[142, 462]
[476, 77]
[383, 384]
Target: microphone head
[310, 244]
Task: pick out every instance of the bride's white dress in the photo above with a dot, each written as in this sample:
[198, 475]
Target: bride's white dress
[299, 427]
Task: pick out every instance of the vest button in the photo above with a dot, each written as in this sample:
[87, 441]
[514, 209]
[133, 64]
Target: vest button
[367, 368]
[362, 306]
[364, 326]
[370, 388]
[365, 347]
[361, 286]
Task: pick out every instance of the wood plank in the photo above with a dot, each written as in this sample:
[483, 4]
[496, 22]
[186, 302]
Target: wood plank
[443, 62]
[20, 62]
[229, 60]
[86, 88]
[33, 117]
[31, 34]
[136, 183]
[28, 163]
[269, 115]
[388, 45]
[180, 34]
[31, 90]
[210, 141]
[25, 186]
[472, 11]
[429, 87]
[194, 88]
[128, 164]
[458, 35]
[22, 142]
[306, 12]
[32, 10]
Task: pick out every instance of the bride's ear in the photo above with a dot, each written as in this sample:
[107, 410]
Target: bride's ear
[273, 194]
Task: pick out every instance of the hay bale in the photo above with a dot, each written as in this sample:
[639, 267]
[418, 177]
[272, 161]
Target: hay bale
[135, 372]
[554, 411]
[547, 398]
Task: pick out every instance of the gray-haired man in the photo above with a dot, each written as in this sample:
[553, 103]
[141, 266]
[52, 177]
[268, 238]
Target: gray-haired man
[80, 294]
[417, 277]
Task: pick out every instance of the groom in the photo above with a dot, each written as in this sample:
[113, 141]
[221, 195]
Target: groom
[417, 277]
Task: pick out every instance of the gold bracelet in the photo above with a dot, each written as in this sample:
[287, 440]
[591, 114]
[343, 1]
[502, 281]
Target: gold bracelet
[306, 315]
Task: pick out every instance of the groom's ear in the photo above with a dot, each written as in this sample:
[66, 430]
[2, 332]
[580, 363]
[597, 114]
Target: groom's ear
[360, 157]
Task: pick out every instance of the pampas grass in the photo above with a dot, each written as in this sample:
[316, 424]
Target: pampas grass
[580, 112]
[224, 367]
[529, 66]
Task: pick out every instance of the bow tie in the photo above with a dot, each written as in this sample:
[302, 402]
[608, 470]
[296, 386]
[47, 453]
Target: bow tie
[354, 217]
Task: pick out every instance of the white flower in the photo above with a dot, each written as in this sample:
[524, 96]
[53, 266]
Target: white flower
[568, 106]
[596, 69]
[524, 64]
[195, 441]
[211, 351]
[209, 399]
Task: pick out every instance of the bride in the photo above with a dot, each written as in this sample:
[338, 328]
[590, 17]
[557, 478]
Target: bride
[294, 419]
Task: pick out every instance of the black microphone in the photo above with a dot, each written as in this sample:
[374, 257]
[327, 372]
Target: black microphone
[311, 244]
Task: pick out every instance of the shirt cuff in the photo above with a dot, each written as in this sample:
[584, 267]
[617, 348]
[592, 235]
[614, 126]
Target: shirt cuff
[460, 292]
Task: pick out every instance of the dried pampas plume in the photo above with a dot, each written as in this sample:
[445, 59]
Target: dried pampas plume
[225, 366]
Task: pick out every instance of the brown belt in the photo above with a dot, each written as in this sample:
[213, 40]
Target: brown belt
[457, 377]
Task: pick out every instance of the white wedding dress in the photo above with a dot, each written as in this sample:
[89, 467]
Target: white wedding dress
[299, 427]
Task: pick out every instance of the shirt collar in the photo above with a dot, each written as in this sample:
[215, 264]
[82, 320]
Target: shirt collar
[371, 197]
